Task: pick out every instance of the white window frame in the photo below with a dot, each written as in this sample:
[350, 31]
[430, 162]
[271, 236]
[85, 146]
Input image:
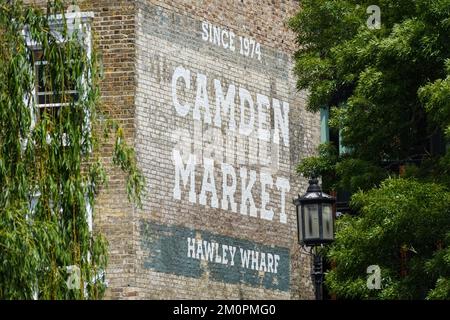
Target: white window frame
[85, 29]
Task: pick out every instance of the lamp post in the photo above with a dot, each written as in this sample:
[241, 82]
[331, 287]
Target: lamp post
[315, 224]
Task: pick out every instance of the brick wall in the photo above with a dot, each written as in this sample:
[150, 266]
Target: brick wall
[142, 43]
[168, 36]
[114, 39]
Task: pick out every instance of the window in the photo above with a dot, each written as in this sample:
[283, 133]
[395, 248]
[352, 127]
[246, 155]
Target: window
[47, 101]
[324, 127]
[45, 97]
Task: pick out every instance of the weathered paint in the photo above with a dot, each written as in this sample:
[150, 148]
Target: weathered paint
[168, 251]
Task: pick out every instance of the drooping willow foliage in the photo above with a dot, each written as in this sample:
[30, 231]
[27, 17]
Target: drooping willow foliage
[50, 168]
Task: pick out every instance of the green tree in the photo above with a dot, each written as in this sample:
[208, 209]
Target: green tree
[387, 89]
[50, 168]
[388, 93]
[400, 215]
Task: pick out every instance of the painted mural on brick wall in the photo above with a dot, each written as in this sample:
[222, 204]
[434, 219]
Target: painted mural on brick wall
[183, 251]
[251, 122]
[214, 112]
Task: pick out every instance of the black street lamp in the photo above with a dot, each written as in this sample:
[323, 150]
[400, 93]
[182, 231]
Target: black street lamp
[315, 224]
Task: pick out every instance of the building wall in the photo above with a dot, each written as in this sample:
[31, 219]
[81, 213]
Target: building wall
[178, 70]
[142, 43]
[114, 40]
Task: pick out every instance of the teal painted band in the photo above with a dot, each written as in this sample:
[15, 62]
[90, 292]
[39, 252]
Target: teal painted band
[192, 253]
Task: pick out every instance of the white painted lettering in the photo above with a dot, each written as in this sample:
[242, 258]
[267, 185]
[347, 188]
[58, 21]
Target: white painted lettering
[180, 72]
[228, 190]
[226, 104]
[224, 254]
[281, 120]
[263, 105]
[185, 173]
[277, 259]
[283, 186]
[246, 192]
[246, 128]
[208, 184]
[225, 44]
[255, 255]
[205, 31]
[232, 254]
[269, 262]
[201, 99]
[266, 180]
[191, 248]
[245, 257]
[209, 250]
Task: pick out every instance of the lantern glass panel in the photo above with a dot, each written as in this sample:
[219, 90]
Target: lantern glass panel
[327, 220]
[311, 221]
[299, 224]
